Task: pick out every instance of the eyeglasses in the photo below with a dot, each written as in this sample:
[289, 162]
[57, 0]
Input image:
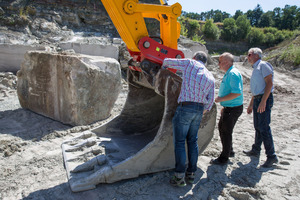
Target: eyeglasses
[249, 54]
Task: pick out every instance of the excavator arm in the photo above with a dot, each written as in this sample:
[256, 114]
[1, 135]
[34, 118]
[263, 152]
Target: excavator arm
[139, 140]
[128, 18]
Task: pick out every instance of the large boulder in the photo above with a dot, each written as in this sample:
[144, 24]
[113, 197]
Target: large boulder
[75, 89]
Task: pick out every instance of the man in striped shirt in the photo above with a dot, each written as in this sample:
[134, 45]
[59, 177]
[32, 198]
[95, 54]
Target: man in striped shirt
[196, 95]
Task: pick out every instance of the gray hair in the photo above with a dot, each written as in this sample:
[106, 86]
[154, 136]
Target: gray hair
[200, 56]
[256, 51]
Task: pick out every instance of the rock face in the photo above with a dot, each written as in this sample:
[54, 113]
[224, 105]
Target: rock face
[94, 49]
[74, 89]
[11, 56]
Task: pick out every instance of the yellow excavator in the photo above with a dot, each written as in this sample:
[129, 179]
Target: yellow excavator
[139, 140]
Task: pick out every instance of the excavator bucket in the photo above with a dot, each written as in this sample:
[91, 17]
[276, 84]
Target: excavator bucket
[138, 141]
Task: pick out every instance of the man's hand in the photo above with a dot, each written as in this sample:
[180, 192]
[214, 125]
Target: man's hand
[218, 99]
[249, 110]
[222, 111]
[250, 107]
[262, 107]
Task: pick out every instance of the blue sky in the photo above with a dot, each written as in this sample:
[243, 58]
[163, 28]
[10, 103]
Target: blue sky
[230, 6]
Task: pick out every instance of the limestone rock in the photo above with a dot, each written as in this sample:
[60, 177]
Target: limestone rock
[12, 55]
[95, 49]
[74, 89]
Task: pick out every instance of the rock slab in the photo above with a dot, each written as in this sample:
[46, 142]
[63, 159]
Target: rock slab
[11, 55]
[75, 89]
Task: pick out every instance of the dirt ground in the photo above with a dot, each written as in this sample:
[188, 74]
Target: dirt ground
[31, 164]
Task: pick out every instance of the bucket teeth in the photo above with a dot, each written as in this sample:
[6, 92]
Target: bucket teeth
[80, 146]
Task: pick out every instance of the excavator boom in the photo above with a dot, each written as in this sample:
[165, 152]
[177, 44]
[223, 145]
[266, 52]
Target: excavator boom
[128, 18]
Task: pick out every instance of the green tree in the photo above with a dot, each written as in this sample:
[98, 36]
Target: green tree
[226, 15]
[298, 17]
[218, 16]
[192, 15]
[237, 14]
[256, 14]
[210, 30]
[210, 14]
[277, 17]
[266, 19]
[289, 17]
[250, 16]
[203, 16]
[243, 27]
[229, 32]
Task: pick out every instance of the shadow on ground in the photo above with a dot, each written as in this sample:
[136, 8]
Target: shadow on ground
[27, 124]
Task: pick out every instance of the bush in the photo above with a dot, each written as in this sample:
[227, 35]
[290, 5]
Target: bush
[210, 30]
[287, 34]
[198, 38]
[279, 37]
[183, 26]
[194, 27]
[269, 39]
[270, 30]
[255, 37]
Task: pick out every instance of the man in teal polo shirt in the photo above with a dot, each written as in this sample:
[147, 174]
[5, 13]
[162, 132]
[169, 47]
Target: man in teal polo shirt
[231, 98]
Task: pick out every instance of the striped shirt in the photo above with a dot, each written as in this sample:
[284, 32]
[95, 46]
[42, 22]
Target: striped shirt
[198, 84]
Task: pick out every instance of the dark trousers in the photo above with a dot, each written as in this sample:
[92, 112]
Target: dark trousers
[228, 119]
[263, 133]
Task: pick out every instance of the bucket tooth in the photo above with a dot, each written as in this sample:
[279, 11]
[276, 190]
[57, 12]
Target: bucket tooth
[138, 141]
[89, 165]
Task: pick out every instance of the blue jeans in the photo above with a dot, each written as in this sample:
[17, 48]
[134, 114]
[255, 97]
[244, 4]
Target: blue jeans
[263, 132]
[186, 123]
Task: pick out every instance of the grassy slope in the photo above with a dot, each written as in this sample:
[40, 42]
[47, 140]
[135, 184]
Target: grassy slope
[286, 54]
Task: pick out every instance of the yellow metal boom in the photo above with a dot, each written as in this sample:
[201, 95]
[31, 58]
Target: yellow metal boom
[128, 18]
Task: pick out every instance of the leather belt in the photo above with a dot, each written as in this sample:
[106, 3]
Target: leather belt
[190, 103]
[260, 96]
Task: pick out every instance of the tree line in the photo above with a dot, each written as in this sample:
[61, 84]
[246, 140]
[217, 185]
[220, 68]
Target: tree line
[254, 26]
[287, 18]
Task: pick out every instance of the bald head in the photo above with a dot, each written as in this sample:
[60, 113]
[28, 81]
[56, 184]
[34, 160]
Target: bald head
[225, 61]
[228, 57]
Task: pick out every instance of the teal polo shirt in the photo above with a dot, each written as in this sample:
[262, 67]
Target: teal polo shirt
[232, 82]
